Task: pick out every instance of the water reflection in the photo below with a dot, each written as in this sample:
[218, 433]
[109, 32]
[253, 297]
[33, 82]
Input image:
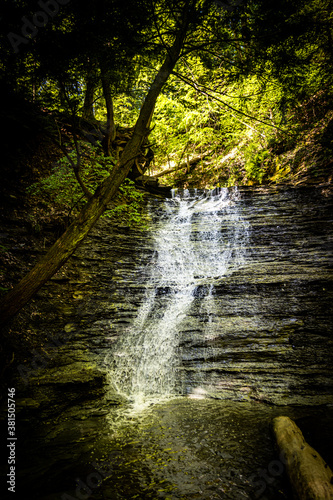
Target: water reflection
[196, 448]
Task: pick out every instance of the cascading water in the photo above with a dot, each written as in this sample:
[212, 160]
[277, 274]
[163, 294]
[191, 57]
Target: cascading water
[201, 239]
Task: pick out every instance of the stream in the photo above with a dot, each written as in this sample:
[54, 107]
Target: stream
[170, 350]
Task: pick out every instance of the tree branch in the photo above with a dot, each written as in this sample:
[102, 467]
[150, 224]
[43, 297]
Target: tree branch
[204, 92]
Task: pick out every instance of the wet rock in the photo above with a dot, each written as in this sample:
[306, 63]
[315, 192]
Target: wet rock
[27, 403]
[73, 374]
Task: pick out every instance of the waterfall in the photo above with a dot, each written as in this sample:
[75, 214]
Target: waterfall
[200, 239]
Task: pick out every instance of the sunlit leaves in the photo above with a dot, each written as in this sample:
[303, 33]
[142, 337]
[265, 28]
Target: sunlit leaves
[60, 188]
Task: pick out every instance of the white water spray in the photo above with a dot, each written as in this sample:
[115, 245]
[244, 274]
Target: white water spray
[201, 240]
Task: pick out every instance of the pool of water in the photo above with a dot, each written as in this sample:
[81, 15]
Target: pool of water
[191, 449]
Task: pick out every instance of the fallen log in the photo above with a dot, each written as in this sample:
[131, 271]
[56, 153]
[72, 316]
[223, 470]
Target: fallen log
[310, 476]
[185, 164]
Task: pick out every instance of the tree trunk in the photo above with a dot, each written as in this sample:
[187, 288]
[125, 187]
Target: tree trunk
[110, 125]
[64, 247]
[77, 166]
[88, 105]
[310, 477]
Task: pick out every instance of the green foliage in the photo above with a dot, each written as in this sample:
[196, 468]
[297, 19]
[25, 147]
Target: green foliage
[233, 123]
[61, 188]
[129, 209]
[255, 163]
[126, 109]
[266, 107]
[251, 83]
[61, 185]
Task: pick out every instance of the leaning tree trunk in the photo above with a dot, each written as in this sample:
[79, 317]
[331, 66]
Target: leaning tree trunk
[64, 247]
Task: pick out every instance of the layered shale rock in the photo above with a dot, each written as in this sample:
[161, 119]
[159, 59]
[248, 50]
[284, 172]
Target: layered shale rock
[261, 332]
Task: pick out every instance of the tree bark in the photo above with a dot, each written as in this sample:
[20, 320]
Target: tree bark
[110, 125]
[88, 105]
[64, 247]
[310, 477]
[76, 167]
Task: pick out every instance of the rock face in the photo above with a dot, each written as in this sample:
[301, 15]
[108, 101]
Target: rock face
[273, 337]
[262, 331]
[310, 476]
